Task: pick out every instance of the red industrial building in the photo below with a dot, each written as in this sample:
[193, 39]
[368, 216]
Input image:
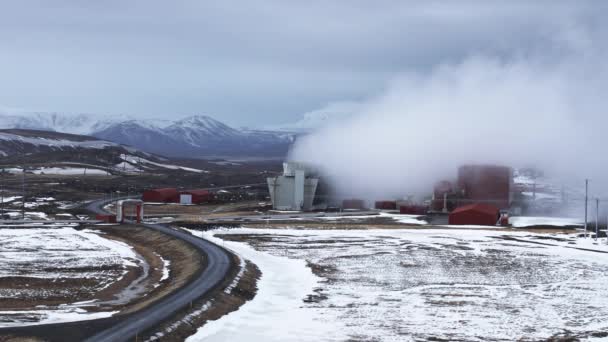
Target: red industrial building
[353, 204]
[443, 193]
[475, 214]
[413, 209]
[172, 195]
[106, 218]
[197, 196]
[486, 184]
[386, 205]
[164, 195]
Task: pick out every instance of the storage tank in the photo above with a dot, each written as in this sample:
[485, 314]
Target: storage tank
[489, 184]
[164, 195]
[386, 205]
[353, 204]
[479, 214]
[442, 189]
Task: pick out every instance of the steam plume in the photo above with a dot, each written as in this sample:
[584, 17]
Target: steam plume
[528, 110]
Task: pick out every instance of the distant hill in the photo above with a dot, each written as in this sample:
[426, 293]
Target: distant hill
[36, 147]
[193, 137]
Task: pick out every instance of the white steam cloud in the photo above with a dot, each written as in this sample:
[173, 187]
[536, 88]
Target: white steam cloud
[532, 110]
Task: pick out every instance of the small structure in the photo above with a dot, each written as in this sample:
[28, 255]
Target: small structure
[164, 195]
[353, 204]
[185, 198]
[443, 191]
[198, 196]
[486, 183]
[386, 205]
[295, 189]
[413, 209]
[479, 214]
[106, 218]
[120, 209]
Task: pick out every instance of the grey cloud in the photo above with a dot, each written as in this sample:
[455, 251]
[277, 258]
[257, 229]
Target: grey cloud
[252, 62]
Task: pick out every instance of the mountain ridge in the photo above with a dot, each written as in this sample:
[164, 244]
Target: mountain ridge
[192, 136]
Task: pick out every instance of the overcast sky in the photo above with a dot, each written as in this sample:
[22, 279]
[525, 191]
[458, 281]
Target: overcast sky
[253, 62]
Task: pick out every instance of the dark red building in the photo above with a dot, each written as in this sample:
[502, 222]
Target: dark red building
[164, 195]
[479, 214]
[106, 218]
[413, 209]
[441, 189]
[353, 204]
[386, 205]
[486, 184]
[199, 196]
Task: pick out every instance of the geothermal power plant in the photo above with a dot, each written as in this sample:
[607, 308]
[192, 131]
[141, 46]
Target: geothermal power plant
[480, 195]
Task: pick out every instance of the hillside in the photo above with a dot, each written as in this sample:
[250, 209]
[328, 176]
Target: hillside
[62, 153]
[194, 137]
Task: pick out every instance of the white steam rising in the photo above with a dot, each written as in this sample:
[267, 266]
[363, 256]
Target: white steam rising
[536, 111]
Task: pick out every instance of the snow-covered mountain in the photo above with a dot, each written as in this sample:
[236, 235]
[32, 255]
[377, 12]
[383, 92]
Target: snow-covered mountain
[63, 153]
[57, 122]
[194, 136]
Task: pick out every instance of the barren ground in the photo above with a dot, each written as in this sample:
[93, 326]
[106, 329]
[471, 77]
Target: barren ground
[436, 284]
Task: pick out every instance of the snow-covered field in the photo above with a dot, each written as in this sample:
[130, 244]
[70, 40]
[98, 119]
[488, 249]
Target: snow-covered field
[36, 208]
[67, 171]
[524, 221]
[70, 171]
[41, 264]
[406, 284]
[97, 144]
[398, 218]
[134, 160]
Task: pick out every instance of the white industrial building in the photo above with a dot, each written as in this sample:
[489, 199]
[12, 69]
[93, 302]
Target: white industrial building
[295, 189]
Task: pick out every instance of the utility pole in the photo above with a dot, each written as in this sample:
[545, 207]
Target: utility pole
[597, 217]
[2, 194]
[586, 200]
[23, 194]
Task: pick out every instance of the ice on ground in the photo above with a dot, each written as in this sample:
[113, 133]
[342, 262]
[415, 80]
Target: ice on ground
[69, 171]
[96, 144]
[142, 161]
[166, 270]
[9, 199]
[529, 221]
[406, 284]
[405, 219]
[64, 216]
[276, 312]
[45, 199]
[124, 166]
[36, 215]
[58, 254]
[36, 317]
[399, 218]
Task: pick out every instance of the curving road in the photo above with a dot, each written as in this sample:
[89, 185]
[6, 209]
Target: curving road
[218, 265]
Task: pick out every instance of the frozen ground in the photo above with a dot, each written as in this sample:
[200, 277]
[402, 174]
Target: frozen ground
[68, 171]
[398, 218]
[406, 284]
[51, 265]
[277, 313]
[135, 160]
[525, 221]
[36, 208]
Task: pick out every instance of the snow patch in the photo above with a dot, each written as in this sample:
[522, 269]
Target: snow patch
[275, 313]
[527, 221]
